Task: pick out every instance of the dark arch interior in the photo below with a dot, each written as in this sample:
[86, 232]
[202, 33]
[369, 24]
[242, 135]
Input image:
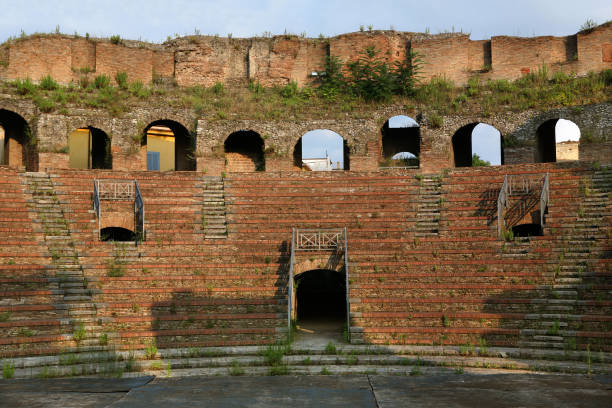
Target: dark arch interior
[117, 234]
[17, 133]
[527, 230]
[249, 145]
[403, 139]
[545, 140]
[321, 295]
[297, 154]
[462, 146]
[184, 144]
[101, 156]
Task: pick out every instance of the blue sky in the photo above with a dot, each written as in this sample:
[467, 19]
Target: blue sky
[154, 20]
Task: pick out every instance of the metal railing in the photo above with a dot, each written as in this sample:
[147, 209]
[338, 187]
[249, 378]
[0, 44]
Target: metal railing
[502, 204]
[111, 190]
[544, 197]
[96, 204]
[290, 288]
[139, 213]
[319, 240]
[525, 186]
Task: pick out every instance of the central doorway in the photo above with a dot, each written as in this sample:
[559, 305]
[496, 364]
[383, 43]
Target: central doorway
[320, 305]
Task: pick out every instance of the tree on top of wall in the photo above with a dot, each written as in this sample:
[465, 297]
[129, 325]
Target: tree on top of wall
[478, 162]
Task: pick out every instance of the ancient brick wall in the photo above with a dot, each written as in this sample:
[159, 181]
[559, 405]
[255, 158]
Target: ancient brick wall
[202, 60]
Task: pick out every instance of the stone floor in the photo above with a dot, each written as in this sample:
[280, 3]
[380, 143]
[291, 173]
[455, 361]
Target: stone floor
[371, 391]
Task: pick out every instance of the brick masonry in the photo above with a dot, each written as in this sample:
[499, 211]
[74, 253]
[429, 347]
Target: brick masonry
[202, 60]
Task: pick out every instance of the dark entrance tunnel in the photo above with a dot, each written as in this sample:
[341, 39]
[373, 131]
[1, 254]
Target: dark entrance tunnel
[527, 230]
[321, 295]
[117, 234]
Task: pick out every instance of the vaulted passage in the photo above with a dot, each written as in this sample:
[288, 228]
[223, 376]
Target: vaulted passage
[477, 144]
[320, 296]
[527, 230]
[169, 147]
[244, 152]
[557, 140]
[401, 142]
[321, 150]
[15, 137]
[90, 148]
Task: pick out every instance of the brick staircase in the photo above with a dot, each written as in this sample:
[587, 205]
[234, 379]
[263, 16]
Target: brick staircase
[430, 199]
[213, 208]
[65, 271]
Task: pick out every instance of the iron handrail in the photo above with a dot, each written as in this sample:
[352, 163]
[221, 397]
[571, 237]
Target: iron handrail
[290, 288]
[346, 277]
[502, 203]
[139, 213]
[96, 204]
[544, 197]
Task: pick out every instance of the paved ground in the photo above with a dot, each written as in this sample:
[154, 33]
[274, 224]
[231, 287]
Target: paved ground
[450, 390]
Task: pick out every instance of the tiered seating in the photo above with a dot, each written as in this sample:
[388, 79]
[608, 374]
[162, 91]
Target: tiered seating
[175, 288]
[467, 286]
[30, 320]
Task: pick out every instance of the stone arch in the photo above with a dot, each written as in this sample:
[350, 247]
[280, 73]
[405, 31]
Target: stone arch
[169, 146]
[244, 152]
[19, 147]
[322, 140]
[89, 148]
[401, 141]
[557, 140]
[488, 139]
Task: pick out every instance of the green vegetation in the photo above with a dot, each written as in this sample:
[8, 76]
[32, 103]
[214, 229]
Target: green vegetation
[8, 370]
[354, 89]
[478, 162]
[151, 350]
[79, 333]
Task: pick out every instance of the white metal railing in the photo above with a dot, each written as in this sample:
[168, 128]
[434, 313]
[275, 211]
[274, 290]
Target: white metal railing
[113, 190]
[319, 240]
[544, 197]
[524, 186]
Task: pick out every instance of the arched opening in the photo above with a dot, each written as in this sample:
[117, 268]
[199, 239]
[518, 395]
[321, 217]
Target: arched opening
[557, 140]
[527, 230]
[477, 144]
[244, 152]
[169, 147]
[17, 147]
[401, 142]
[117, 234]
[321, 150]
[89, 148]
[320, 296]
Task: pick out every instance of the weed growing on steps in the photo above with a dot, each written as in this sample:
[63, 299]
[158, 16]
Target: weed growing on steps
[330, 348]
[151, 350]
[8, 370]
[236, 369]
[79, 333]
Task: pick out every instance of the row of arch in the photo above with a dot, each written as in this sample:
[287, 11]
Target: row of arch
[170, 146]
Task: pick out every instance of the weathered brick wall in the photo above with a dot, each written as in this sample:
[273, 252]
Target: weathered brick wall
[447, 57]
[137, 63]
[37, 57]
[207, 60]
[514, 57]
[83, 54]
[201, 60]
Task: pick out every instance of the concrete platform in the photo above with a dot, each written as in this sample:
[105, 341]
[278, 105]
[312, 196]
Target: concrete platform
[355, 391]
